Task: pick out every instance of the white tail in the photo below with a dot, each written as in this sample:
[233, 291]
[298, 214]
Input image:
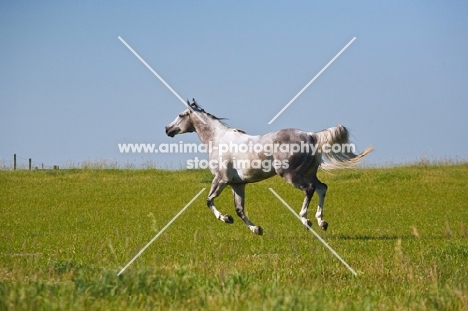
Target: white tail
[342, 157]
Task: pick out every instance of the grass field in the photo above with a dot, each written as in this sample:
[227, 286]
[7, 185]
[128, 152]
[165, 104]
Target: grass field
[64, 236]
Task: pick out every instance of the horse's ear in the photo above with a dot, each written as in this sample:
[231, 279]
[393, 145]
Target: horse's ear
[188, 102]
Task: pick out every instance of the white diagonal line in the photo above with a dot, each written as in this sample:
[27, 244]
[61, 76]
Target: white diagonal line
[162, 230]
[151, 69]
[315, 233]
[310, 82]
[159, 77]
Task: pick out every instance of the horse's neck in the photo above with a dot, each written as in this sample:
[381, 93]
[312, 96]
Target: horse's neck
[209, 131]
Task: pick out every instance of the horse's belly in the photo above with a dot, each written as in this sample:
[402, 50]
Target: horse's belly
[249, 175]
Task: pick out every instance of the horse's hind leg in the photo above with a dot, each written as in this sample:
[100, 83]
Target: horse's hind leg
[321, 191]
[238, 190]
[308, 188]
[216, 189]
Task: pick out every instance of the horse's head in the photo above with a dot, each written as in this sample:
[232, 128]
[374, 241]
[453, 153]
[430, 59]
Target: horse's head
[183, 122]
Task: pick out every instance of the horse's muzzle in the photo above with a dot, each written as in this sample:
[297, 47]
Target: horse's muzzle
[171, 132]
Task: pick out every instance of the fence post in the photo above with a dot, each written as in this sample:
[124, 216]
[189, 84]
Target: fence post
[14, 162]
[30, 163]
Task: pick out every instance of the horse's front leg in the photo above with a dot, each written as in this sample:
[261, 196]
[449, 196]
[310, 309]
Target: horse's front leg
[238, 190]
[217, 186]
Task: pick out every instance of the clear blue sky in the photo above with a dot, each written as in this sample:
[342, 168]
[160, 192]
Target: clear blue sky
[70, 91]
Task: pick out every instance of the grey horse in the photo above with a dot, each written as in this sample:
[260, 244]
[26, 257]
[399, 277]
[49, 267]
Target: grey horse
[236, 158]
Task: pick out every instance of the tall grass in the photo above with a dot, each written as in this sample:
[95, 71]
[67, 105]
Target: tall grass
[65, 234]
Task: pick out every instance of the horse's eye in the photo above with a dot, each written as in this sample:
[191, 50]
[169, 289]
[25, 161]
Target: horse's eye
[181, 115]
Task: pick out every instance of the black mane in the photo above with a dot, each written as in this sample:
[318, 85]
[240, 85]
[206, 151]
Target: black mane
[196, 107]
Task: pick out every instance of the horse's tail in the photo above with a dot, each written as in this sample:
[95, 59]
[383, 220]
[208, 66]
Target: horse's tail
[333, 144]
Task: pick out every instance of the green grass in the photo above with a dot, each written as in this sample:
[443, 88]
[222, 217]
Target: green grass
[64, 236]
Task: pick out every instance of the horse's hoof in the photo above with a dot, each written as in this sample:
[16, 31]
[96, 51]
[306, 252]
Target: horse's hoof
[307, 223]
[324, 225]
[257, 230]
[229, 219]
